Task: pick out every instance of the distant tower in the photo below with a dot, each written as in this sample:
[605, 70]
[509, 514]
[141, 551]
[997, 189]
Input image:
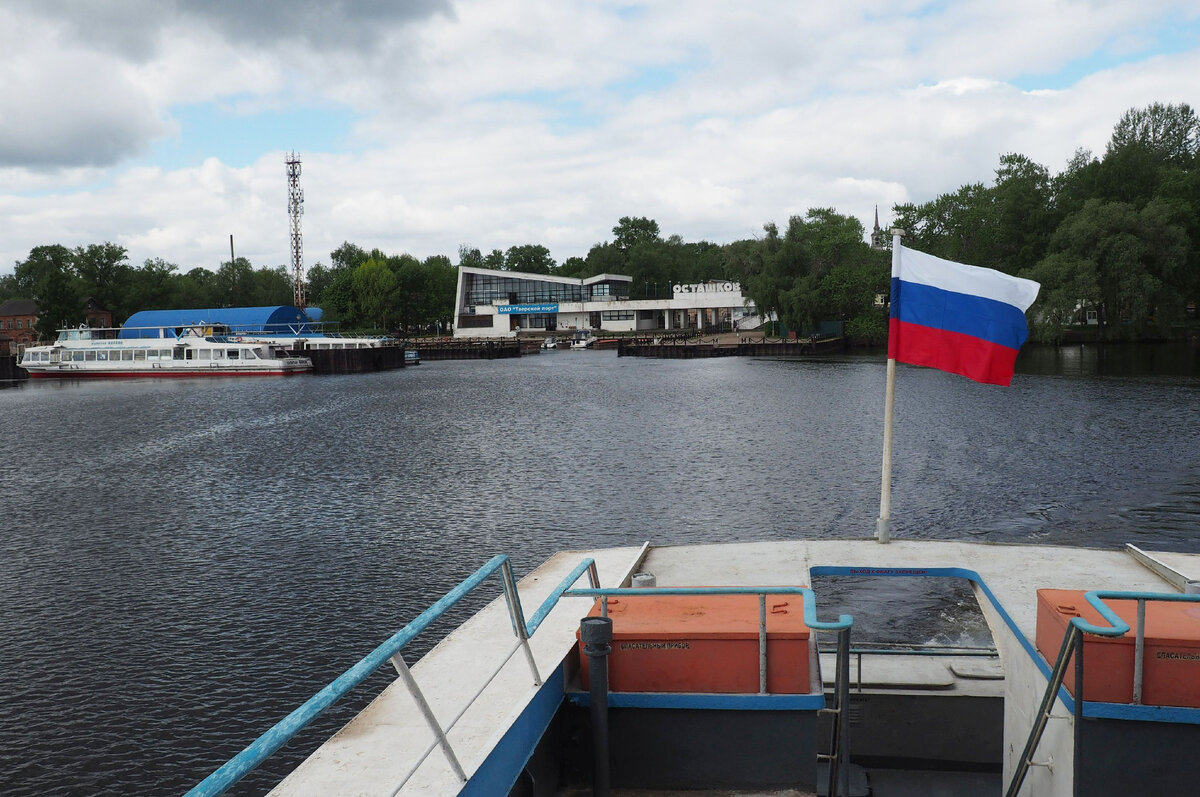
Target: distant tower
[295, 211]
[879, 237]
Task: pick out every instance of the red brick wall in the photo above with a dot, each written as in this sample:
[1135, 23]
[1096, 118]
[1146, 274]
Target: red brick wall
[19, 331]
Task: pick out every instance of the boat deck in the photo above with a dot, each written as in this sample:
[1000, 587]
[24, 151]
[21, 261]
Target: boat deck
[373, 753]
[1014, 573]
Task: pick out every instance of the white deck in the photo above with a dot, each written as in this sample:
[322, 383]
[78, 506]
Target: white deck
[1013, 572]
[374, 751]
[372, 754]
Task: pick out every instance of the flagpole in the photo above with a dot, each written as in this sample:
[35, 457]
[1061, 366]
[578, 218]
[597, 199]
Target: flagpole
[883, 526]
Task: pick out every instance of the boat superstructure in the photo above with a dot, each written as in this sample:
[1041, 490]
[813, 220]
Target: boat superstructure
[189, 351]
[575, 696]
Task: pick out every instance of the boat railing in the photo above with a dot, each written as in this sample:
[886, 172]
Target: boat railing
[258, 751]
[838, 758]
[1072, 649]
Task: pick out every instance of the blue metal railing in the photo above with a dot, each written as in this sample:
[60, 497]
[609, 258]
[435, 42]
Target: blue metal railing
[810, 599]
[262, 748]
[258, 751]
[1072, 645]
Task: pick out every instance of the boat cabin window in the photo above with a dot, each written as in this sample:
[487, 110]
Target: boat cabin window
[204, 354]
[77, 356]
[127, 355]
[232, 354]
[189, 354]
[178, 354]
[140, 354]
[102, 356]
[218, 354]
[89, 356]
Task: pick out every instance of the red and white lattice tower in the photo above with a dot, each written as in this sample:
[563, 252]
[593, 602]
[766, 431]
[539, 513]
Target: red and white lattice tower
[295, 211]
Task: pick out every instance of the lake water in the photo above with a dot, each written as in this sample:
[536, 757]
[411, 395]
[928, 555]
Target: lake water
[184, 562]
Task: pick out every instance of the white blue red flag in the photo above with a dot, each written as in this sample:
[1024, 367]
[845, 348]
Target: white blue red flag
[963, 319]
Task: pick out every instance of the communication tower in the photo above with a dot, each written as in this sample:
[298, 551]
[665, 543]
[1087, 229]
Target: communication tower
[295, 211]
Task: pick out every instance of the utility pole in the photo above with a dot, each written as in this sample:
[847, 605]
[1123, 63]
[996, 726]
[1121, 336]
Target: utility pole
[295, 210]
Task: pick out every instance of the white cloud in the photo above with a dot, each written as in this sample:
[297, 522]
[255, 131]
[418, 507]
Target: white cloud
[503, 123]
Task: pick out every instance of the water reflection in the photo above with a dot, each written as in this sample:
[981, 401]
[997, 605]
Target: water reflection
[1121, 359]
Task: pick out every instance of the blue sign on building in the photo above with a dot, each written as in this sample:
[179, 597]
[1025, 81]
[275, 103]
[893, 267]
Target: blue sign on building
[509, 309]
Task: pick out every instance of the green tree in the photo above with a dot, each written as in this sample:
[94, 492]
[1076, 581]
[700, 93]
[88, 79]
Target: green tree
[153, 286]
[48, 277]
[348, 255]
[1129, 263]
[1169, 132]
[234, 285]
[59, 304]
[530, 259]
[494, 260]
[105, 272]
[374, 287]
[630, 232]
[470, 257]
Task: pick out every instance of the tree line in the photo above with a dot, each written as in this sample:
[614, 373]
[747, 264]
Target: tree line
[1115, 237]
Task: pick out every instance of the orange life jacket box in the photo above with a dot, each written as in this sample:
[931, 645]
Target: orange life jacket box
[1170, 661]
[704, 643]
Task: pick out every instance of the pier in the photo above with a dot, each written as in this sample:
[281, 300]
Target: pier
[466, 349]
[10, 370]
[354, 361]
[727, 346]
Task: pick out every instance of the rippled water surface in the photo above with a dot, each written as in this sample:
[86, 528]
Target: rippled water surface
[183, 563]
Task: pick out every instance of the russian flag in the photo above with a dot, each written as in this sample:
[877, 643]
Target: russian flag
[963, 319]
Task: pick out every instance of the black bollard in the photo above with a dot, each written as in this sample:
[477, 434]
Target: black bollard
[596, 634]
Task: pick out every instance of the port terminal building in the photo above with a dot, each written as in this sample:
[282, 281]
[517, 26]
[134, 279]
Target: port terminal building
[499, 304]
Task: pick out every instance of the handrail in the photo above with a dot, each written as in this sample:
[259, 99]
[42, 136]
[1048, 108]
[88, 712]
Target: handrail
[1073, 638]
[258, 751]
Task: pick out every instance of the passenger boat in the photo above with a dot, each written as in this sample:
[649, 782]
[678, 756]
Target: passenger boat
[550, 343]
[199, 350]
[728, 674]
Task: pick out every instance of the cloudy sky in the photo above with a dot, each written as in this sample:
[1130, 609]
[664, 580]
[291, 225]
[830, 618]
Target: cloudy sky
[423, 125]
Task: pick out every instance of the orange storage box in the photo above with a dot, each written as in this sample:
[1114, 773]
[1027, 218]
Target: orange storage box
[1170, 661]
[704, 643]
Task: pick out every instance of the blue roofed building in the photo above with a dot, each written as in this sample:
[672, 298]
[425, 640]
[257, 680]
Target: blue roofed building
[278, 320]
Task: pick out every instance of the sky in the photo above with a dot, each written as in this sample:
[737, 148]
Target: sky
[426, 125]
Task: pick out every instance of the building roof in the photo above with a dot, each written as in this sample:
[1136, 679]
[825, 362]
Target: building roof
[280, 319]
[525, 275]
[606, 278]
[19, 307]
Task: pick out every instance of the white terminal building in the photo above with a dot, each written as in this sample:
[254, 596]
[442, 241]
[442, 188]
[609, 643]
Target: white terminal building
[500, 304]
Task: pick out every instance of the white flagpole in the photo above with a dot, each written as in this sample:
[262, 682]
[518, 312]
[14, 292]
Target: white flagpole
[883, 526]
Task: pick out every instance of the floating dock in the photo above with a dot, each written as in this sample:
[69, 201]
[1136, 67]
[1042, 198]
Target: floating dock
[714, 347]
[355, 361]
[466, 349]
[10, 370]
